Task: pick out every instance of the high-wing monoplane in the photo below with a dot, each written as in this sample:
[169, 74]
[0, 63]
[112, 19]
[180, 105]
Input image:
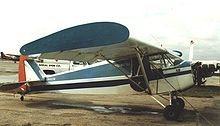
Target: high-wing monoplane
[117, 64]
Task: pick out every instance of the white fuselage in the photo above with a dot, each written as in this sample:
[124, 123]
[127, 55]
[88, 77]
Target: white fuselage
[103, 78]
[58, 66]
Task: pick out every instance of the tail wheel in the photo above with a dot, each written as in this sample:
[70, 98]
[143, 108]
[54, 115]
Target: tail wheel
[179, 103]
[22, 98]
[171, 112]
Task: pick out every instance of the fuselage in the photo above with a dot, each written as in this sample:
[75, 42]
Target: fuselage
[164, 75]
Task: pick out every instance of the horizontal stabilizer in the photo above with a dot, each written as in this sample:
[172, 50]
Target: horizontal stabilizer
[15, 87]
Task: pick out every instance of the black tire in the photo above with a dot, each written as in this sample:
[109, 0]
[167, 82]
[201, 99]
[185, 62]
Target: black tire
[171, 112]
[179, 103]
[22, 98]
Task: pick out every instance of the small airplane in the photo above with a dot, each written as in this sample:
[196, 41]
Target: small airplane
[118, 64]
[48, 66]
[12, 57]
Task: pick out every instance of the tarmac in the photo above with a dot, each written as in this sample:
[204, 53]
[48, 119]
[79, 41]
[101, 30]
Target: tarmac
[53, 109]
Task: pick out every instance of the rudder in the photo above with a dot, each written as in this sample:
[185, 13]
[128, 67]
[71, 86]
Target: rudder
[29, 70]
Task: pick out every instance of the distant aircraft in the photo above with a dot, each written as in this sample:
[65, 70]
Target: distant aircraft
[47, 65]
[12, 57]
[126, 65]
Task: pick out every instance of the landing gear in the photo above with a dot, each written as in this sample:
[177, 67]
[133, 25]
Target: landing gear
[22, 98]
[179, 103]
[172, 111]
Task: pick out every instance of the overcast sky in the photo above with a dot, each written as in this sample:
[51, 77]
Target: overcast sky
[172, 23]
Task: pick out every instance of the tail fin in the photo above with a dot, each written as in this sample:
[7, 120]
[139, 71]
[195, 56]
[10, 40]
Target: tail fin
[191, 51]
[29, 70]
[22, 73]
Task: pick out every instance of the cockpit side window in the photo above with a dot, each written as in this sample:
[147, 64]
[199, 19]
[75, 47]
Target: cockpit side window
[157, 61]
[174, 60]
[163, 61]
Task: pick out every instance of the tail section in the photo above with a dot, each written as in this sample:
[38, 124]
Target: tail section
[191, 51]
[22, 73]
[29, 70]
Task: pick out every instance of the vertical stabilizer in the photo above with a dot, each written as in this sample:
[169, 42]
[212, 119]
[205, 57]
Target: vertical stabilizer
[29, 70]
[22, 73]
[191, 51]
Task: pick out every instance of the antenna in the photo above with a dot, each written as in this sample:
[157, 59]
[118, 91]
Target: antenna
[191, 51]
[156, 39]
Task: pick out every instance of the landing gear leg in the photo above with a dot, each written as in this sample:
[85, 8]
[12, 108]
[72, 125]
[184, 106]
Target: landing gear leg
[172, 111]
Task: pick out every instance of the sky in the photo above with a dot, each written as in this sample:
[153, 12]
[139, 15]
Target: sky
[170, 23]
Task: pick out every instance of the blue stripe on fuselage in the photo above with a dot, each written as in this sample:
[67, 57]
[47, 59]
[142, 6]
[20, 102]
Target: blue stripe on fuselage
[106, 70]
[185, 64]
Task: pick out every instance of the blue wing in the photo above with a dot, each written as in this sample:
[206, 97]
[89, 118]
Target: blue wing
[86, 43]
[82, 36]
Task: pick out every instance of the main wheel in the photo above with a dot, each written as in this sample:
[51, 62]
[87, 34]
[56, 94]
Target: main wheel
[179, 103]
[171, 112]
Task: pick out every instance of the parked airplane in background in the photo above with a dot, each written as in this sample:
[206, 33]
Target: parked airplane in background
[48, 66]
[12, 57]
[126, 65]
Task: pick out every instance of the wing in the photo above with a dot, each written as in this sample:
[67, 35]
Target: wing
[115, 51]
[82, 36]
[89, 42]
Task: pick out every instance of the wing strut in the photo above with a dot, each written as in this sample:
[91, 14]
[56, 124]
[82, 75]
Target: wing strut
[123, 73]
[139, 52]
